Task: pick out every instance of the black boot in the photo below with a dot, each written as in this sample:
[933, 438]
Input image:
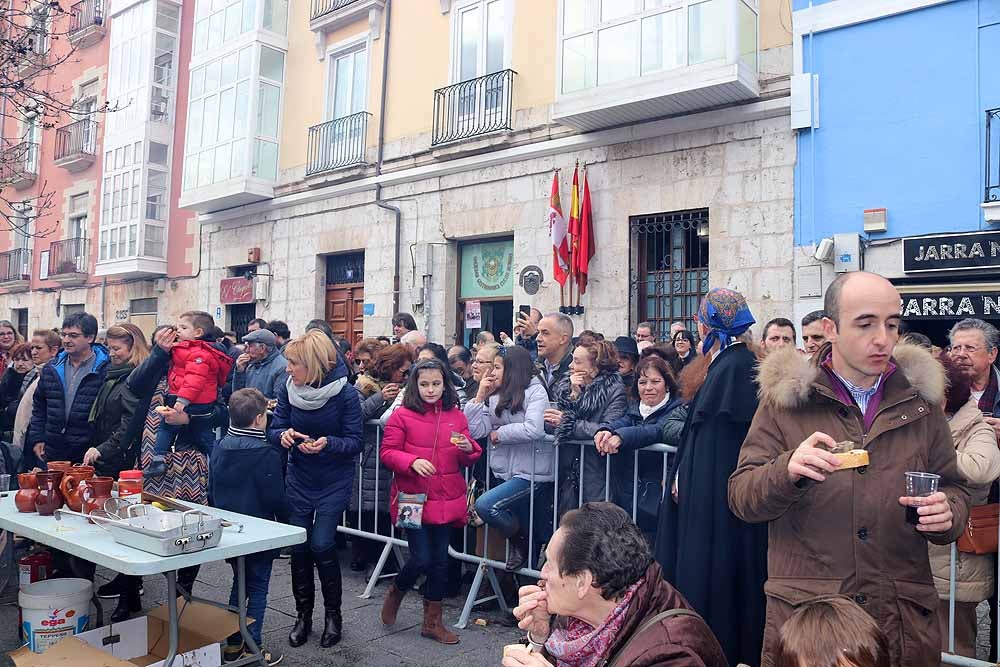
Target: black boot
[304, 591]
[329, 579]
[129, 601]
[186, 578]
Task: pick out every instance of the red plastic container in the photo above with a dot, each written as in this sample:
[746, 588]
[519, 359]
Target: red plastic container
[130, 486]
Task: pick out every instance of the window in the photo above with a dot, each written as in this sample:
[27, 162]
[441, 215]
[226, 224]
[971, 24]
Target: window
[480, 30]
[78, 205]
[72, 309]
[218, 22]
[265, 153]
[348, 83]
[276, 16]
[22, 222]
[607, 41]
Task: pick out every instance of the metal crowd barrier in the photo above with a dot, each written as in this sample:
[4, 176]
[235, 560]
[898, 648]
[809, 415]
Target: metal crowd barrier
[486, 567]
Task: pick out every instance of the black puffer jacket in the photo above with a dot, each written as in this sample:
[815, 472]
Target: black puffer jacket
[66, 436]
[112, 417]
[372, 497]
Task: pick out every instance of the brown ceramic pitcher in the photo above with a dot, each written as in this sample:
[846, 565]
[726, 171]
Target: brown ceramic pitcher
[24, 499]
[58, 466]
[94, 491]
[70, 485]
[49, 498]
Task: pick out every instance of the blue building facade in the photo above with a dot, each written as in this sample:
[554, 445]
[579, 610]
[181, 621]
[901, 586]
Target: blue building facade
[890, 100]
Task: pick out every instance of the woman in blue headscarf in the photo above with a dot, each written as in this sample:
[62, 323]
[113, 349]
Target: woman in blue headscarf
[717, 561]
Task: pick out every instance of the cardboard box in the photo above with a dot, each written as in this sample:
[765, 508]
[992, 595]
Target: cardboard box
[142, 642]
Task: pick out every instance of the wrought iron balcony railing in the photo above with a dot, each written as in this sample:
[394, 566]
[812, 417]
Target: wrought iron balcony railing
[19, 163]
[79, 138]
[337, 143]
[992, 191]
[324, 7]
[85, 14]
[68, 256]
[15, 265]
[474, 107]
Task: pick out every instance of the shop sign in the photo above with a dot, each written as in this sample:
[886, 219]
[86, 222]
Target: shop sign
[234, 291]
[951, 252]
[487, 270]
[951, 305]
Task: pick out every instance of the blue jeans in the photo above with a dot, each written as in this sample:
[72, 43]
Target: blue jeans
[258, 578]
[507, 506]
[200, 429]
[428, 556]
[321, 532]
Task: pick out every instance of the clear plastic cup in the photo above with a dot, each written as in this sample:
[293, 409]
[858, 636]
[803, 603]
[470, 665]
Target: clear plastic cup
[919, 485]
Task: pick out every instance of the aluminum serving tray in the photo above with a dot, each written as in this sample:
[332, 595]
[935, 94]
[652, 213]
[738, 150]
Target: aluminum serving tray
[165, 533]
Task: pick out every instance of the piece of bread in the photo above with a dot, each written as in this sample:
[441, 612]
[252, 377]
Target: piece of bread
[855, 458]
[162, 409]
[510, 647]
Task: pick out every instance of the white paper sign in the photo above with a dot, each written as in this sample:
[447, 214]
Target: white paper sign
[473, 315]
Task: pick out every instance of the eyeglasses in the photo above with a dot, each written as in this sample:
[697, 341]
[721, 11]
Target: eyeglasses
[72, 336]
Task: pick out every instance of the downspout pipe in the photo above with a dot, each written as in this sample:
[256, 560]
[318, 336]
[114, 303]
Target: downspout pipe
[397, 214]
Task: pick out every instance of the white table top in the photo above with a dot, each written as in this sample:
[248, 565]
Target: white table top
[76, 536]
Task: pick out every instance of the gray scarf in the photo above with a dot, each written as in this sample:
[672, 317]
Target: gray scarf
[312, 398]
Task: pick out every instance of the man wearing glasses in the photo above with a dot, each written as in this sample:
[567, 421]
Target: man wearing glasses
[67, 388]
[644, 332]
[974, 349]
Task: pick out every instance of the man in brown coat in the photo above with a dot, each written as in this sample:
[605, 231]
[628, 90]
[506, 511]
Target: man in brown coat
[845, 532]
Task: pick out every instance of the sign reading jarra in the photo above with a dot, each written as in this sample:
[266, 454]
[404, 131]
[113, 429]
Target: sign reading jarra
[951, 305]
[236, 290]
[951, 252]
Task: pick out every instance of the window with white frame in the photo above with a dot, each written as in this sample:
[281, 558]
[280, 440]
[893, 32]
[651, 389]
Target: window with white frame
[348, 82]
[265, 153]
[78, 205]
[221, 21]
[606, 41]
[480, 35]
[120, 215]
[23, 222]
[130, 67]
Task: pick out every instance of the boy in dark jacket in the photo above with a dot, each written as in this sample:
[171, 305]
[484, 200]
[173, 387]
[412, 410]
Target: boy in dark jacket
[246, 477]
[198, 369]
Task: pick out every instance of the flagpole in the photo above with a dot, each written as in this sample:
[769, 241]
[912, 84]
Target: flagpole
[579, 309]
[569, 237]
[555, 250]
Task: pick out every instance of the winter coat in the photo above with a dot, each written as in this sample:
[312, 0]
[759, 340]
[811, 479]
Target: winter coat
[848, 535]
[66, 436]
[12, 386]
[559, 373]
[374, 494]
[321, 482]
[245, 475]
[601, 401]
[676, 641]
[673, 426]
[197, 369]
[979, 462]
[637, 432]
[112, 417]
[412, 435]
[521, 448]
[267, 375]
[23, 418]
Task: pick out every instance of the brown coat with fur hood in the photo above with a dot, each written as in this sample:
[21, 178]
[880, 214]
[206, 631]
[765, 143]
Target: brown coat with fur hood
[848, 535]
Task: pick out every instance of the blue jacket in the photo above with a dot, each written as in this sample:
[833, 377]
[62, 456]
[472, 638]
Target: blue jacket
[246, 475]
[322, 482]
[267, 375]
[66, 436]
[637, 432]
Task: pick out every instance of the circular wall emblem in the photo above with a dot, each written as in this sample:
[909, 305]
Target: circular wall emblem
[531, 279]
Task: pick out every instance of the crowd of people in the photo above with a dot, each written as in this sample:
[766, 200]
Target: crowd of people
[743, 546]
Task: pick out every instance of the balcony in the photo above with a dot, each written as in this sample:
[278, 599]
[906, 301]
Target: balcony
[76, 145]
[19, 165]
[657, 63]
[86, 23]
[330, 15]
[474, 108]
[991, 194]
[35, 53]
[337, 143]
[15, 269]
[69, 260]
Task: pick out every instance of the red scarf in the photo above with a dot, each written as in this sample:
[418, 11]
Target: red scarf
[580, 645]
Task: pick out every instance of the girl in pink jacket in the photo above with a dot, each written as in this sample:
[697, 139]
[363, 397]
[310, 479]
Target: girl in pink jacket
[426, 444]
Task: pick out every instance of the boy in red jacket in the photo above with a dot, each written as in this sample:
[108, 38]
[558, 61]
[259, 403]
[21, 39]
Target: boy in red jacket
[197, 370]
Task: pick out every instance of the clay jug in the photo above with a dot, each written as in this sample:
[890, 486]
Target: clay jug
[94, 491]
[49, 497]
[70, 485]
[24, 499]
[58, 466]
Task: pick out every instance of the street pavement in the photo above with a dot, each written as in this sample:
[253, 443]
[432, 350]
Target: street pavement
[366, 641]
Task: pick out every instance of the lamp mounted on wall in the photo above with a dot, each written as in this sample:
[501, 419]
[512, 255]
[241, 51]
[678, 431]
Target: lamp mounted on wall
[824, 251]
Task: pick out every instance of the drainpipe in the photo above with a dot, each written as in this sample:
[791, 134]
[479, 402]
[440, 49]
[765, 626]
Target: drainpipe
[104, 301]
[397, 214]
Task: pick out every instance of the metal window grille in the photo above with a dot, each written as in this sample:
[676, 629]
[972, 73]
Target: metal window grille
[669, 272]
[68, 256]
[345, 269]
[337, 143]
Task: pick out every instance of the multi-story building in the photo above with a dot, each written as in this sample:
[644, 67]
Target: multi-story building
[369, 156]
[103, 244]
[899, 153]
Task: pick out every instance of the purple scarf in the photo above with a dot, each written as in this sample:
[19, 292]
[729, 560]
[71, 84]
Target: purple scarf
[580, 645]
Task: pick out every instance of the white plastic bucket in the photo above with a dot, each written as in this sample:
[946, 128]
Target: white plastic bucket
[54, 609]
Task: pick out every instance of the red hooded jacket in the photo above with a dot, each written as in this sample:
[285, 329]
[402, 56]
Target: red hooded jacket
[197, 370]
[409, 436]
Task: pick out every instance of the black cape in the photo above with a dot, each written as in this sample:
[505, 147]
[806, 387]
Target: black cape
[718, 562]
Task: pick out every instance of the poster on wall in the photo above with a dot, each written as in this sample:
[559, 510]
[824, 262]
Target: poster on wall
[487, 270]
[473, 315]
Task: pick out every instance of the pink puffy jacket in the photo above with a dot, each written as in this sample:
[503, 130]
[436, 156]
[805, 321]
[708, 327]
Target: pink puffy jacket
[410, 435]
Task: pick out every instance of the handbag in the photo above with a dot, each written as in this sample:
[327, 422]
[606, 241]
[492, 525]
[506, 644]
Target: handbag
[410, 510]
[980, 536]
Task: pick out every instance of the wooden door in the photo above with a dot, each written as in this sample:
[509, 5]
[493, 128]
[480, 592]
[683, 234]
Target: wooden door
[345, 310]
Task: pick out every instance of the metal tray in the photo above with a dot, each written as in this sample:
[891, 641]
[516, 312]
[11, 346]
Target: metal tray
[167, 534]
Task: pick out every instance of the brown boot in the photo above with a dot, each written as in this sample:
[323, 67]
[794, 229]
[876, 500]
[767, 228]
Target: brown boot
[433, 627]
[390, 606]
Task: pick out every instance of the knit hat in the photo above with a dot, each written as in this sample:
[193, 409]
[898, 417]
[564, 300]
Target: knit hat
[726, 314]
[626, 346]
[263, 336]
